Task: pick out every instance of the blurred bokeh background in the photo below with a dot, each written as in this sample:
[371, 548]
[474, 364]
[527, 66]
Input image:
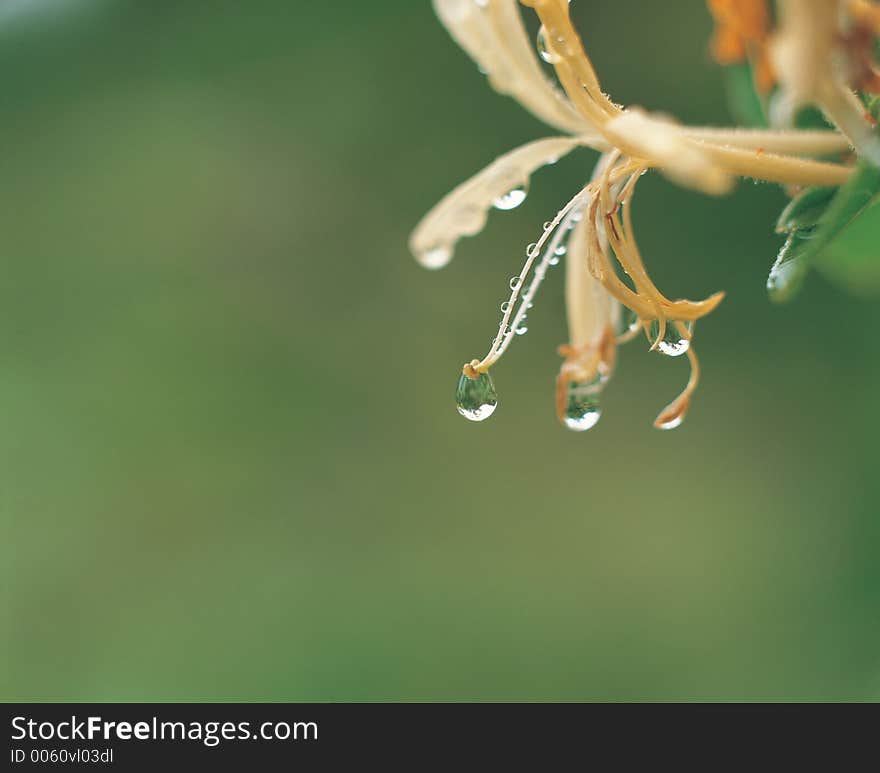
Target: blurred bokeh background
[231, 465]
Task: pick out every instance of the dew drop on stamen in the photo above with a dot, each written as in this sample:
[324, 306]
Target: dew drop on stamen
[672, 423]
[582, 411]
[673, 415]
[515, 282]
[476, 399]
[674, 343]
[512, 199]
[505, 306]
[532, 250]
[560, 251]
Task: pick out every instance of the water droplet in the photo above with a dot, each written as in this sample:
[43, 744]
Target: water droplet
[532, 250]
[674, 342]
[673, 423]
[435, 257]
[515, 282]
[543, 47]
[582, 410]
[476, 399]
[505, 306]
[512, 199]
[553, 260]
[522, 330]
[672, 415]
[560, 250]
[786, 278]
[628, 322]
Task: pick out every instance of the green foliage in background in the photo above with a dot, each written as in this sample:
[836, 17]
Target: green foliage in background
[818, 221]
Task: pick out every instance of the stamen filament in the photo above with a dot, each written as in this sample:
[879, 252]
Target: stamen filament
[673, 414]
[496, 349]
[771, 167]
[795, 142]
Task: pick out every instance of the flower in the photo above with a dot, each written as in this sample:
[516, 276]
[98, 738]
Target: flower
[742, 32]
[610, 297]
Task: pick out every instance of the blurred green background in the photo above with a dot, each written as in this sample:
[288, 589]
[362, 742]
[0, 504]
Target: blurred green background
[231, 465]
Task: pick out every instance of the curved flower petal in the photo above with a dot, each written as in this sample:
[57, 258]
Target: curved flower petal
[464, 211]
[493, 35]
[802, 52]
[589, 306]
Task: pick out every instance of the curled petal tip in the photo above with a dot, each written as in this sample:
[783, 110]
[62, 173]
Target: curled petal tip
[672, 415]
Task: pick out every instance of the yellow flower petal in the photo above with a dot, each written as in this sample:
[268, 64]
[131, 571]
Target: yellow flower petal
[494, 36]
[464, 211]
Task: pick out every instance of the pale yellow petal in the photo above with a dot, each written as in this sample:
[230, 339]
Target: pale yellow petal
[494, 36]
[464, 211]
[590, 309]
[802, 52]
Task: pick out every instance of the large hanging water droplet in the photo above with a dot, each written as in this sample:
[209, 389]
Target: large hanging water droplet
[547, 54]
[582, 410]
[674, 343]
[476, 399]
[512, 199]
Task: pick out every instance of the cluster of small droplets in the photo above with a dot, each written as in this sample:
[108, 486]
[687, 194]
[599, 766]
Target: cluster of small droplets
[475, 397]
[556, 249]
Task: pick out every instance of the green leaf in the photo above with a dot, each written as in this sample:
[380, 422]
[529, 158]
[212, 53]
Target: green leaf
[798, 220]
[853, 260]
[746, 105]
[817, 222]
[787, 276]
[804, 210]
[850, 201]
